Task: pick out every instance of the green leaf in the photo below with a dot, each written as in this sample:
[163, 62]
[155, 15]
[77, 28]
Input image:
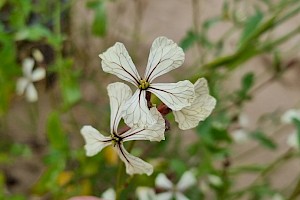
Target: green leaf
[55, 134]
[297, 124]
[99, 25]
[179, 166]
[250, 26]
[247, 83]
[263, 139]
[33, 33]
[188, 40]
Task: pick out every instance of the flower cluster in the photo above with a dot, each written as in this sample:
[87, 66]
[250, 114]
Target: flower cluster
[190, 103]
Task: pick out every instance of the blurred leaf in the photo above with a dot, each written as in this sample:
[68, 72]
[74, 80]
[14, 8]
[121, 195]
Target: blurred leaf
[247, 169]
[251, 25]
[111, 156]
[188, 40]
[211, 22]
[263, 139]
[99, 25]
[178, 166]
[64, 177]
[57, 138]
[33, 33]
[297, 124]
[247, 83]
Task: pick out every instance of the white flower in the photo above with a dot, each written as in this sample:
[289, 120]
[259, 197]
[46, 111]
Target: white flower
[187, 180]
[25, 84]
[277, 196]
[165, 55]
[95, 141]
[292, 141]
[200, 108]
[290, 115]
[109, 194]
[145, 193]
[215, 180]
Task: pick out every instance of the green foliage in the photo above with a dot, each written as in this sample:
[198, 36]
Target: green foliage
[264, 140]
[99, 25]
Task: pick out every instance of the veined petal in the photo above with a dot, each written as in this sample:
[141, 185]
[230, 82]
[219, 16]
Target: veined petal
[187, 180]
[94, 140]
[152, 133]
[180, 196]
[38, 74]
[134, 165]
[165, 55]
[27, 66]
[136, 112]
[118, 94]
[163, 182]
[31, 93]
[164, 196]
[21, 85]
[202, 106]
[117, 61]
[174, 95]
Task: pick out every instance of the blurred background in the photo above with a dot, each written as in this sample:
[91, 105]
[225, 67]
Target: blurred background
[248, 50]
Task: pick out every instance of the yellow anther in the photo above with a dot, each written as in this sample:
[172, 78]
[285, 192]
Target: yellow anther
[143, 84]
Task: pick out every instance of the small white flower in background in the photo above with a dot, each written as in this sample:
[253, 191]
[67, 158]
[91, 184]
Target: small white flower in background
[240, 135]
[277, 196]
[118, 94]
[292, 141]
[290, 115]
[145, 193]
[109, 194]
[165, 55]
[174, 191]
[200, 108]
[25, 84]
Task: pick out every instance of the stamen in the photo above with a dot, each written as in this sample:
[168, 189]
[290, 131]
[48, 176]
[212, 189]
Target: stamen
[144, 84]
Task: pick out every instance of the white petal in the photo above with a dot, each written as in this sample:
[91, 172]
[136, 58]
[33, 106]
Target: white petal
[152, 133]
[165, 55]
[134, 165]
[289, 115]
[21, 85]
[118, 94]
[292, 141]
[180, 196]
[109, 194]
[174, 95]
[215, 180]
[31, 93]
[187, 180]
[240, 136]
[117, 61]
[200, 108]
[38, 74]
[136, 112]
[164, 196]
[27, 67]
[94, 140]
[163, 182]
[145, 193]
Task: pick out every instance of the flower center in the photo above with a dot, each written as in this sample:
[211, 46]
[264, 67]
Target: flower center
[116, 140]
[144, 84]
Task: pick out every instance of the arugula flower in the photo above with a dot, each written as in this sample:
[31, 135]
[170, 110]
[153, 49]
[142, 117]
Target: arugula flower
[165, 55]
[95, 141]
[25, 84]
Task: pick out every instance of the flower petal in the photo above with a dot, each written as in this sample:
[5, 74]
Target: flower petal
[38, 74]
[152, 133]
[187, 180]
[31, 93]
[136, 112]
[117, 61]
[174, 95]
[94, 140]
[202, 106]
[21, 85]
[109, 194]
[164, 196]
[165, 55]
[27, 66]
[134, 165]
[145, 193]
[163, 182]
[180, 196]
[118, 94]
